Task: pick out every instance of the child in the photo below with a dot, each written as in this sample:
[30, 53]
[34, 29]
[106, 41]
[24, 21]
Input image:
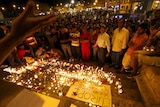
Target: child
[21, 51]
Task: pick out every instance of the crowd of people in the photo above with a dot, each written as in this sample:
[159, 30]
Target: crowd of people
[84, 36]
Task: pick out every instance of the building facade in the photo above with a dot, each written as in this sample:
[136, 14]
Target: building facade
[132, 6]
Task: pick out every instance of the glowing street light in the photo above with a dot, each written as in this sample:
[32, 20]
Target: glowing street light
[37, 5]
[23, 8]
[72, 1]
[2, 8]
[14, 6]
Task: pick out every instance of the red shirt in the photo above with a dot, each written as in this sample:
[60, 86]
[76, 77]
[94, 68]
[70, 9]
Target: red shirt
[85, 36]
[21, 53]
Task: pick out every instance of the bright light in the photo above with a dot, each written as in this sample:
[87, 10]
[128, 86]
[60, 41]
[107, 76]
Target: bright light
[94, 3]
[61, 4]
[19, 7]
[66, 5]
[37, 5]
[3, 8]
[14, 6]
[23, 8]
[72, 1]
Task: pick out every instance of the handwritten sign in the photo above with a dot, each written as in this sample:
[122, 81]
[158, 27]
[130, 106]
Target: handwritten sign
[91, 93]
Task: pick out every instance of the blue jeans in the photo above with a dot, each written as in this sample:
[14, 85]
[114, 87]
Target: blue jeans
[116, 58]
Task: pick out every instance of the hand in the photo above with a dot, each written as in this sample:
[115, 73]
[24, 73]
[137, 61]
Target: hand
[94, 46]
[107, 55]
[25, 24]
[121, 52]
[152, 31]
[22, 26]
[136, 52]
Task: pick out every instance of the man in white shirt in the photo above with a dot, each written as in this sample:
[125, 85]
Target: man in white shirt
[75, 43]
[103, 44]
[119, 43]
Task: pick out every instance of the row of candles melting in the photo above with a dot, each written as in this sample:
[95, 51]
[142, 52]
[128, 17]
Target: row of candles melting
[48, 77]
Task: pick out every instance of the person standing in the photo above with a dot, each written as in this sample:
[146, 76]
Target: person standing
[55, 42]
[65, 43]
[119, 43]
[150, 55]
[137, 42]
[93, 41]
[104, 46]
[75, 43]
[85, 44]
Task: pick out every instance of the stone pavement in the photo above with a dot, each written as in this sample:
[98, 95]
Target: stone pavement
[129, 98]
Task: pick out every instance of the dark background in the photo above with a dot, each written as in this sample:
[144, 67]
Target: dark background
[50, 2]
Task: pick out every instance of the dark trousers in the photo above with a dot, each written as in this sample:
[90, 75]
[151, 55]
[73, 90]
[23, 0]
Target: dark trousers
[76, 52]
[101, 54]
[116, 58]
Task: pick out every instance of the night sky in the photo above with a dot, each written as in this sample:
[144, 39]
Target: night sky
[50, 2]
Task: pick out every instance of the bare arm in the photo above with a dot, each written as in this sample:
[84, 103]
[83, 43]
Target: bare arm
[21, 27]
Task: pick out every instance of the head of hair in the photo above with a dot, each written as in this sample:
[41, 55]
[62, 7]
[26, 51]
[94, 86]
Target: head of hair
[121, 20]
[144, 25]
[103, 26]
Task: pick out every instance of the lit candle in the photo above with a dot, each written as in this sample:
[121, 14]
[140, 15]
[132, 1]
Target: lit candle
[120, 91]
[111, 81]
[119, 86]
[60, 93]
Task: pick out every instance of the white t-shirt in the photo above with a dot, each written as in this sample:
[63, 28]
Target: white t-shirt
[75, 35]
[120, 39]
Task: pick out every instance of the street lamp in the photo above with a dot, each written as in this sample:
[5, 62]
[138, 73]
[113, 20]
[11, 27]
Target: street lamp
[72, 1]
[37, 5]
[2, 8]
[23, 8]
[15, 11]
[14, 6]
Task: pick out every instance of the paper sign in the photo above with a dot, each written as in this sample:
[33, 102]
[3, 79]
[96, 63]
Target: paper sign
[91, 93]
